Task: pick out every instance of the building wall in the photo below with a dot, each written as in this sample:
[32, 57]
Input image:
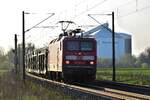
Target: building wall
[104, 47]
[104, 44]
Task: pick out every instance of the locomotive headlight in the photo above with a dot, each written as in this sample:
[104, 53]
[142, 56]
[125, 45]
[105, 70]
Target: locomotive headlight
[92, 62]
[67, 62]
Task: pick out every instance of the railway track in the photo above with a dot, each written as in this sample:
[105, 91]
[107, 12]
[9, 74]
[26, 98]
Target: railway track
[120, 92]
[89, 91]
[124, 87]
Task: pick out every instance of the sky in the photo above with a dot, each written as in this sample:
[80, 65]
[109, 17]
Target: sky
[131, 16]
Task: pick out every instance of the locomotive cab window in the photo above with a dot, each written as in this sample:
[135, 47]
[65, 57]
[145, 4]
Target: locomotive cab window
[86, 46]
[79, 46]
[72, 45]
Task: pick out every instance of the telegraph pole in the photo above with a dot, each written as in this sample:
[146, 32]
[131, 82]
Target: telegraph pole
[113, 48]
[19, 59]
[16, 59]
[23, 45]
[113, 42]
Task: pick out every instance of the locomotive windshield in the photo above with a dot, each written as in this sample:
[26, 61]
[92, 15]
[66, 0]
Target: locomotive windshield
[72, 45]
[79, 45]
[86, 46]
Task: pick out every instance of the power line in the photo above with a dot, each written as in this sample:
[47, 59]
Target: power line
[82, 11]
[98, 4]
[135, 11]
[81, 2]
[121, 6]
[40, 22]
[36, 38]
[36, 26]
[99, 22]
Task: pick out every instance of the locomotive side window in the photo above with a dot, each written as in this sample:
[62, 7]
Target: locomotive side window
[86, 46]
[60, 46]
[72, 45]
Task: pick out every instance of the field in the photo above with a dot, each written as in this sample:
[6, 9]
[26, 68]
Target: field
[138, 76]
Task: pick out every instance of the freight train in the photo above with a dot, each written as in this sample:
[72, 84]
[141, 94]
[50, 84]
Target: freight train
[68, 57]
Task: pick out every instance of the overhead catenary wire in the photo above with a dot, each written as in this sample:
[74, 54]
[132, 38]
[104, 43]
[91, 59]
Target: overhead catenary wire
[40, 22]
[135, 11]
[98, 4]
[62, 12]
[90, 8]
[99, 22]
[36, 39]
[76, 5]
[81, 13]
[36, 26]
[78, 14]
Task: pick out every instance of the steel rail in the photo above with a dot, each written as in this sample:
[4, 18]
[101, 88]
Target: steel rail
[105, 93]
[121, 94]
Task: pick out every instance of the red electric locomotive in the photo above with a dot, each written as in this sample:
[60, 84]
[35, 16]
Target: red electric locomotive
[72, 58]
[69, 57]
[79, 58]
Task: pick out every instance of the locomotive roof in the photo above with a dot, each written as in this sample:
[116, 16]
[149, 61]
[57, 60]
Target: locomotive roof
[68, 37]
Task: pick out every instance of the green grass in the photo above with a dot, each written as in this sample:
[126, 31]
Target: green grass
[138, 76]
[37, 92]
[12, 88]
[3, 71]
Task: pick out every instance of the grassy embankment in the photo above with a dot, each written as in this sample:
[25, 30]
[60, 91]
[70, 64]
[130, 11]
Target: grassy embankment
[2, 71]
[11, 88]
[138, 76]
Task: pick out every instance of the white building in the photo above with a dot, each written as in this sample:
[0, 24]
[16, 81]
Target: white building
[123, 43]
